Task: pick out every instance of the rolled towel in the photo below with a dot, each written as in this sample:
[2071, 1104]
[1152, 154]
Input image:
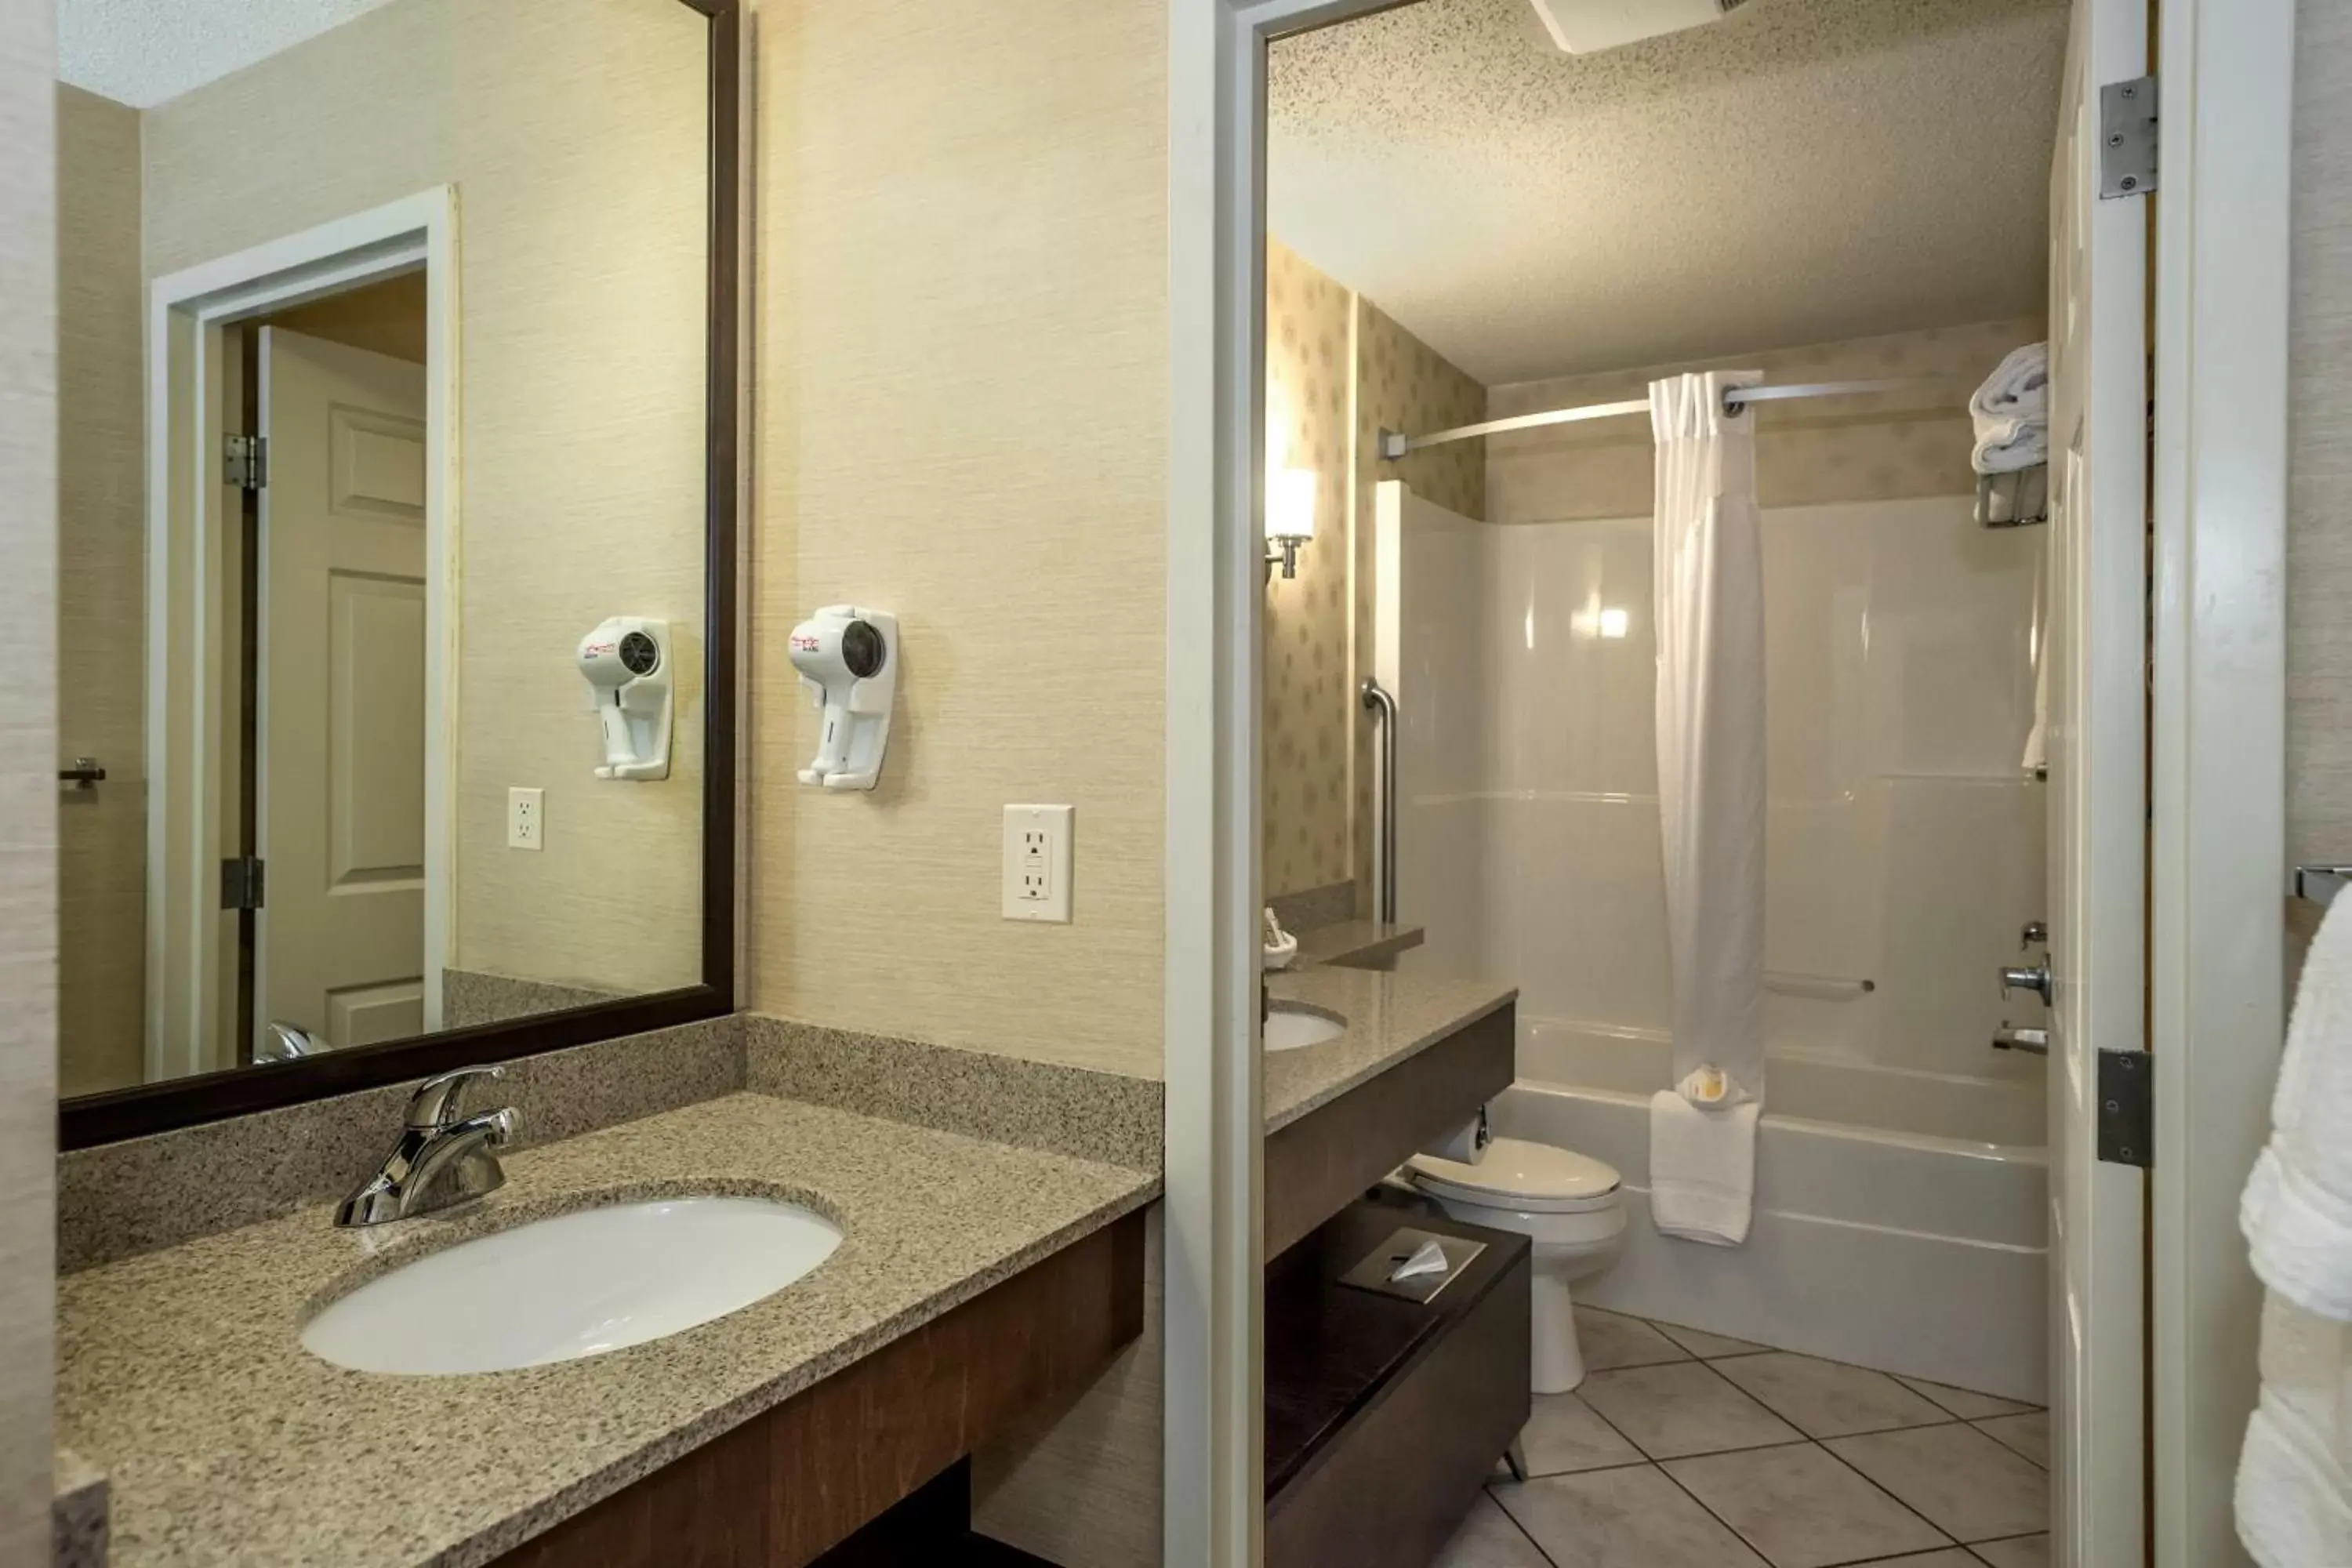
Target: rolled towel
[2296, 1212]
[2011, 412]
[1703, 1164]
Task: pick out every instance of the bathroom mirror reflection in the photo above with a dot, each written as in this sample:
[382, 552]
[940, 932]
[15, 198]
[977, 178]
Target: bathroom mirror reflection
[386, 330]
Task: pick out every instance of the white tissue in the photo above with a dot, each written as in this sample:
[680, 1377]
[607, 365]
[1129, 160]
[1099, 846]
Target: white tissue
[1429, 1260]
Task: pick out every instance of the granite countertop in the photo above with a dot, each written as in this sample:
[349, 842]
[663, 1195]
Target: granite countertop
[183, 1379]
[1389, 1017]
[1356, 942]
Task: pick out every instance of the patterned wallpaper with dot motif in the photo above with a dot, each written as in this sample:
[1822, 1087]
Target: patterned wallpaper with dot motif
[1303, 839]
[1402, 384]
[1888, 447]
[1327, 349]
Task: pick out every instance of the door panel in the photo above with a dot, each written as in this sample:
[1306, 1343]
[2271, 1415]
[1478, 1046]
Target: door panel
[2098, 804]
[344, 705]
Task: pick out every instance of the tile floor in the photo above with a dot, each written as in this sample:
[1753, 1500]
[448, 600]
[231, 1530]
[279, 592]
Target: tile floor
[1686, 1449]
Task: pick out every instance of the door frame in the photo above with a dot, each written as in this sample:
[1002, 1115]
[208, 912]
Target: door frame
[186, 712]
[2217, 833]
[2220, 257]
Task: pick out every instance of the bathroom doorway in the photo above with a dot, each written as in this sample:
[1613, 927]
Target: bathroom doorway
[298, 853]
[2102, 1461]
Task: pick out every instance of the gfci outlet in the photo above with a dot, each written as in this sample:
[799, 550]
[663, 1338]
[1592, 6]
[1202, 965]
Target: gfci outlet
[1037, 862]
[526, 815]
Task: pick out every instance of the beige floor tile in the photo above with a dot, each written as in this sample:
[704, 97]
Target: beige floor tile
[1827, 1399]
[1611, 1340]
[1963, 1403]
[1706, 1346]
[1950, 1557]
[1802, 1509]
[1628, 1518]
[2024, 1552]
[1564, 1434]
[1673, 1412]
[1967, 1484]
[1488, 1539]
[2028, 1434]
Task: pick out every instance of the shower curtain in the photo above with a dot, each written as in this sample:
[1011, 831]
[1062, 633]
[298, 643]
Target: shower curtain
[1710, 720]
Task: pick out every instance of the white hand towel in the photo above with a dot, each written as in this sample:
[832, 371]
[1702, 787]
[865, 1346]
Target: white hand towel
[2296, 1212]
[2011, 412]
[2293, 1498]
[1703, 1167]
[2037, 740]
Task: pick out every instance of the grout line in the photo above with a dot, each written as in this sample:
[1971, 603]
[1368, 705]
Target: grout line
[1898, 1502]
[1488, 1490]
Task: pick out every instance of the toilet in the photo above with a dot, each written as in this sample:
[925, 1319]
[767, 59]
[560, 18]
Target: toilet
[1568, 1204]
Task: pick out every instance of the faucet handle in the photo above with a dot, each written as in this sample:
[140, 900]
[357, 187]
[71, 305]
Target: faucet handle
[435, 1103]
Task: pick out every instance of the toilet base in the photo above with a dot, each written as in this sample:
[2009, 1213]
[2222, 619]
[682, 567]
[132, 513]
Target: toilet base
[1557, 1363]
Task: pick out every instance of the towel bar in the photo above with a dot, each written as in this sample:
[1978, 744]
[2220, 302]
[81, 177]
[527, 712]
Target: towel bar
[2320, 884]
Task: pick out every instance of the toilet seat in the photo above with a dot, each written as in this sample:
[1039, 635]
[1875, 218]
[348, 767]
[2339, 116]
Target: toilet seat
[1525, 1177]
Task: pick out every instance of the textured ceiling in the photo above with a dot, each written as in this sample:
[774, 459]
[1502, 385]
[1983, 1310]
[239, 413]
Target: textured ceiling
[146, 52]
[1800, 171]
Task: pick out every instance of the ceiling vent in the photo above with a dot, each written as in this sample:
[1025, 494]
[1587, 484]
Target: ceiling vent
[1584, 27]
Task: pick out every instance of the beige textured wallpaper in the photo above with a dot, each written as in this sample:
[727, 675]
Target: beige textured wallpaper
[574, 131]
[101, 589]
[1887, 448]
[963, 420]
[1307, 710]
[2319, 432]
[28, 738]
[1401, 385]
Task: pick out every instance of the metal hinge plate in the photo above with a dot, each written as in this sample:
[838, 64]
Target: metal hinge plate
[2126, 1108]
[246, 461]
[2127, 138]
[242, 883]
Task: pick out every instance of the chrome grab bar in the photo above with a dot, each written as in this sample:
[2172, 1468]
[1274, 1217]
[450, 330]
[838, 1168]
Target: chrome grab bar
[1377, 699]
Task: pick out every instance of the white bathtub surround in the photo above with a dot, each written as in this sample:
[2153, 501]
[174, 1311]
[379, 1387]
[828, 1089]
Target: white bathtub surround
[2293, 1489]
[1702, 1167]
[1910, 1253]
[1709, 567]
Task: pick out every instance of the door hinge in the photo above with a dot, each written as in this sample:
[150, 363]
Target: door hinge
[2126, 1108]
[241, 883]
[246, 461]
[2127, 138]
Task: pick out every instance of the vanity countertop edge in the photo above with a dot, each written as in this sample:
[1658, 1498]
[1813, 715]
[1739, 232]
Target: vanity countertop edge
[1389, 1018]
[183, 1379]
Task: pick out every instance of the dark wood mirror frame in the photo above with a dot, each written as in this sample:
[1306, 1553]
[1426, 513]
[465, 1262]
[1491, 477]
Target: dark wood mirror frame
[185, 1103]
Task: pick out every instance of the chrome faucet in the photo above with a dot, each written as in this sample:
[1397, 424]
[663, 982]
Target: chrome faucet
[442, 1158]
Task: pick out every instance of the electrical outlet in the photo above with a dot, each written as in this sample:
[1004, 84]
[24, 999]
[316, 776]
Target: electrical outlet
[526, 814]
[1037, 862]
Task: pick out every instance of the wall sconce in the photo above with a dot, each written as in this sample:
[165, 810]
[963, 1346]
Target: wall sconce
[1289, 519]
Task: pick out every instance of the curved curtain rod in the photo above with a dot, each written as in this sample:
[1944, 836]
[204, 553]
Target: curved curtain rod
[1393, 445]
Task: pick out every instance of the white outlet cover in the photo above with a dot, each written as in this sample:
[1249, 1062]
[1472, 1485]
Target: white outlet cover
[526, 818]
[1037, 862]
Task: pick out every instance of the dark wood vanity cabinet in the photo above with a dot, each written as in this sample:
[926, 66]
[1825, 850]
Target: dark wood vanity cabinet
[790, 1483]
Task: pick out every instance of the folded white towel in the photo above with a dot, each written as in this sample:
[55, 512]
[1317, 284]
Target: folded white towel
[2293, 1497]
[2011, 412]
[1703, 1168]
[2296, 1212]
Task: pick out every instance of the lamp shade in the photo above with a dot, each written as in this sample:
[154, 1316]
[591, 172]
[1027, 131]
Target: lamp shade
[1290, 505]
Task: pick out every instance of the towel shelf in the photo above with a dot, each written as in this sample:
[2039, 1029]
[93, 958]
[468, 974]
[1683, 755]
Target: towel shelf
[2320, 884]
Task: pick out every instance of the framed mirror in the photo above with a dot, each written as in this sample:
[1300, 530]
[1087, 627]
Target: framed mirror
[398, 398]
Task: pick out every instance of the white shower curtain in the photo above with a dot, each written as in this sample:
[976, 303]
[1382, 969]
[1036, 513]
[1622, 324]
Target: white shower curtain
[1710, 717]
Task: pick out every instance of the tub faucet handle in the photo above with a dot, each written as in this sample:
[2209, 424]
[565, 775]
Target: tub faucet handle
[2036, 979]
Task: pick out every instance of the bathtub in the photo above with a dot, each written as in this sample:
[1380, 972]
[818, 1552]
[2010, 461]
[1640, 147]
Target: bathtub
[1901, 1219]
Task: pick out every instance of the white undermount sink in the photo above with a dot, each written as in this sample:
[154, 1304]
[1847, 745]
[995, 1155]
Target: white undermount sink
[1290, 1026]
[573, 1285]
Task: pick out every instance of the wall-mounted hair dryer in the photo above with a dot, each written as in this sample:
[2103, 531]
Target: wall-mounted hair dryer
[848, 659]
[626, 661]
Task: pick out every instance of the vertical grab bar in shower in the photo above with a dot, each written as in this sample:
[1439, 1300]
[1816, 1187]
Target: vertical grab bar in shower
[1377, 699]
